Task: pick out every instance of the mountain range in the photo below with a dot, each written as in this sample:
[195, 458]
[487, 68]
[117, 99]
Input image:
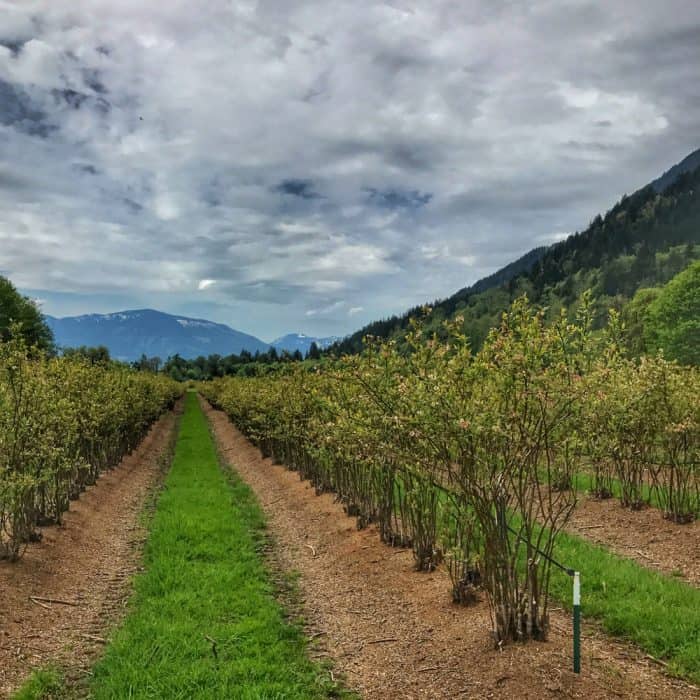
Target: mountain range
[302, 343]
[130, 334]
[643, 240]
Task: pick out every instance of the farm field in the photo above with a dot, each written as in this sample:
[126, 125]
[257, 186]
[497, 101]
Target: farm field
[381, 623]
[473, 460]
[389, 626]
[423, 504]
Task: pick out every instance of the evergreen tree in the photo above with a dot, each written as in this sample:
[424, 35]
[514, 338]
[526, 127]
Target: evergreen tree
[314, 353]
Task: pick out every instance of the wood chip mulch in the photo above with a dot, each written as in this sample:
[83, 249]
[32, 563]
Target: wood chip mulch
[642, 535]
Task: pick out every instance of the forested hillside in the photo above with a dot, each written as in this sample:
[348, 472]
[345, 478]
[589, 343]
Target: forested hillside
[643, 241]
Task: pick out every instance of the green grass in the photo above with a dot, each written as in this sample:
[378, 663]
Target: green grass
[43, 684]
[205, 580]
[657, 612]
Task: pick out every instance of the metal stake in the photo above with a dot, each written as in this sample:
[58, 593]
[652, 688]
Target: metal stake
[577, 622]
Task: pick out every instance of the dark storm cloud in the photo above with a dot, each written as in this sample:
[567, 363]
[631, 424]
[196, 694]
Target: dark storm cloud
[19, 110]
[297, 188]
[86, 168]
[15, 46]
[398, 199]
[10, 181]
[132, 206]
[306, 165]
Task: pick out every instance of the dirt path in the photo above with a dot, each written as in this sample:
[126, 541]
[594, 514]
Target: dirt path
[394, 633]
[88, 560]
[641, 535]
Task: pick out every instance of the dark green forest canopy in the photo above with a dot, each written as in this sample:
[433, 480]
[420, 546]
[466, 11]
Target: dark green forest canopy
[245, 364]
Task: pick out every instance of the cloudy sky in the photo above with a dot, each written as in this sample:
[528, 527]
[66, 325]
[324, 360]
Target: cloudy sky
[293, 165]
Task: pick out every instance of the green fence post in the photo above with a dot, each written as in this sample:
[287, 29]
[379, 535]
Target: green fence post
[577, 622]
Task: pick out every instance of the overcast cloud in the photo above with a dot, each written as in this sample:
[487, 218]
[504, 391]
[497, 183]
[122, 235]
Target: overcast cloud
[291, 165]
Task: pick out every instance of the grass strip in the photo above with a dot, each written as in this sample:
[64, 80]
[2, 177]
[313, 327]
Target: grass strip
[204, 622]
[656, 612]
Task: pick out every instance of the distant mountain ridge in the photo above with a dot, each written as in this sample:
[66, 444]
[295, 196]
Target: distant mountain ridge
[302, 343]
[130, 334]
[687, 165]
